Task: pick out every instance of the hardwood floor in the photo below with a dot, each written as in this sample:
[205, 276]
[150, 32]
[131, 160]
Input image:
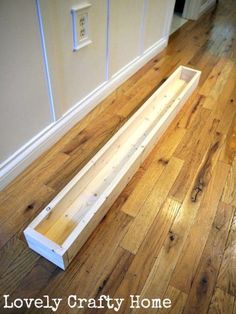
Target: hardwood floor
[172, 231]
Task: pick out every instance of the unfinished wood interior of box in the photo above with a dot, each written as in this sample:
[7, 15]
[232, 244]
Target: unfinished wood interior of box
[74, 206]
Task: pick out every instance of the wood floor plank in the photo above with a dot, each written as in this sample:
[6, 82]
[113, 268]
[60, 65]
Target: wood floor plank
[160, 274]
[37, 279]
[219, 85]
[229, 151]
[17, 264]
[33, 176]
[229, 194]
[191, 137]
[19, 210]
[203, 283]
[160, 158]
[25, 204]
[227, 275]
[195, 156]
[227, 121]
[216, 72]
[100, 281]
[205, 62]
[224, 107]
[142, 222]
[178, 300]
[84, 146]
[192, 106]
[143, 261]
[114, 272]
[222, 303]
[10, 252]
[187, 264]
[5, 233]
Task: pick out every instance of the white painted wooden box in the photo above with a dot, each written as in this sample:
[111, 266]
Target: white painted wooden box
[61, 229]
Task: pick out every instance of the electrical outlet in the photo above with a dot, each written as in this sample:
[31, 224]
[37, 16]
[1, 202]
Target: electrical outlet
[82, 19]
[83, 26]
[80, 26]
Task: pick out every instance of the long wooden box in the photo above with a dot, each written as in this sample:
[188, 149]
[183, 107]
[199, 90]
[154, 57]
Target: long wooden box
[61, 229]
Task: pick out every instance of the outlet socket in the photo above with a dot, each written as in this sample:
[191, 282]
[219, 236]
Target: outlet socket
[80, 26]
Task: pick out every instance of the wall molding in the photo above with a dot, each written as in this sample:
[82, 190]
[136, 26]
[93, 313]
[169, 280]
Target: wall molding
[207, 6]
[108, 40]
[23, 157]
[45, 59]
[193, 9]
[144, 15]
[168, 18]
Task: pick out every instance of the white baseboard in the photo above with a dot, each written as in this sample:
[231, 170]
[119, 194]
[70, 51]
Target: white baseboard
[23, 157]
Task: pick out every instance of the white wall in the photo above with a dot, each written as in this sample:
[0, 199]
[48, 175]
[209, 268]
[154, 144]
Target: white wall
[74, 74]
[134, 25]
[23, 98]
[154, 21]
[193, 9]
[205, 5]
[125, 34]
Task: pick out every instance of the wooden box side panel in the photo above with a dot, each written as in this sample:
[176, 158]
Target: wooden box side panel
[45, 248]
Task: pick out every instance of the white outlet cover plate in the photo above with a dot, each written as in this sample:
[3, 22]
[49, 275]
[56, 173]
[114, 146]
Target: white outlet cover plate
[80, 31]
